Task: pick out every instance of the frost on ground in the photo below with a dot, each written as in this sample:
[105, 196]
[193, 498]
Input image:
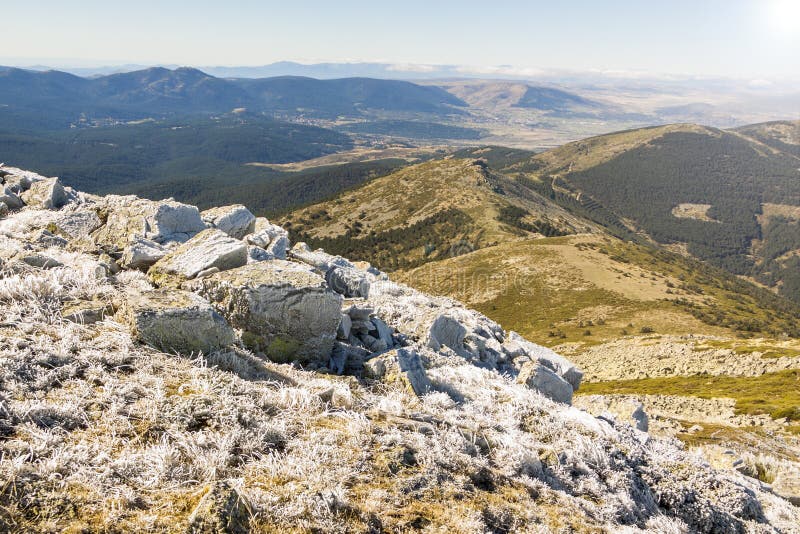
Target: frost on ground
[99, 432]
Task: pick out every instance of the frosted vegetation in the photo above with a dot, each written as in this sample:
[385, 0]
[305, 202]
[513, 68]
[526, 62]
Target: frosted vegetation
[101, 433]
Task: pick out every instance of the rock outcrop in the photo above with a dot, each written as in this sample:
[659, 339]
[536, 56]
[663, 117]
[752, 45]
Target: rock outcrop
[142, 253]
[47, 194]
[129, 217]
[175, 321]
[284, 309]
[207, 252]
[236, 220]
[400, 366]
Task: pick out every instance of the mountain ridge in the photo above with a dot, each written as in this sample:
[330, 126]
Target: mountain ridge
[161, 90]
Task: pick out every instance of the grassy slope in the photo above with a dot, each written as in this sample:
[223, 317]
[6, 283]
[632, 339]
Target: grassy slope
[776, 394]
[613, 178]
[582, 289]
[590, 290]
[388, 220]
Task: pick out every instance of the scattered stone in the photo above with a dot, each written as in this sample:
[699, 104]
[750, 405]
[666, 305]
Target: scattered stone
[562, 366]
[374, 344]
[222, 510]
[46, 238]
[400, 366]
[285, 310]
[75, 224]
[538, 376]
[319, 259]
[348, 281]
[39, 260]
[361, 326]
[208, 249]
[271, 237]
[86, 311]
[128, 217]
[142, 253]
[172, 320]
[384, 332]
[279, 247]
[624, 408]
[257, 254]
[18, 184]
[347, 358]
[344, 327]
[359, 313]
[10, 198]
[48, 194]
[235, 220]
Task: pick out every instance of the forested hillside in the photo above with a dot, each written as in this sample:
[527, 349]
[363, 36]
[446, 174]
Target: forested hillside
[115, 158]
[729, 199]
[159, 91]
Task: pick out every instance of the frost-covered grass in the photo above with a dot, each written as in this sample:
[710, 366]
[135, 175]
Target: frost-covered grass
[98, 433]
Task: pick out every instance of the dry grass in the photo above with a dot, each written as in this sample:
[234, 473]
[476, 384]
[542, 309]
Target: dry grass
[567, 286]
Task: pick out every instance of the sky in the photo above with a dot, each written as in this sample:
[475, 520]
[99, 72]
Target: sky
[749, 39]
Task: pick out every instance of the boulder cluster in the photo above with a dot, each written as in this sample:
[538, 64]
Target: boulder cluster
[223, 277]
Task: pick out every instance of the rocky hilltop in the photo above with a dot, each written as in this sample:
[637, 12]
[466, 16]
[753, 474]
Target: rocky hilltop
[164, 369]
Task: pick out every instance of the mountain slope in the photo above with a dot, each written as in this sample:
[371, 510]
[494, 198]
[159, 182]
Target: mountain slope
[347, 96]
[431, 217]
[160, 90]
[504, 94]
[780, 135]
[132, 405]
[588, 290]
[727, 198]
[123, 157]
[430, 211]
[550, 99]
[627, 310]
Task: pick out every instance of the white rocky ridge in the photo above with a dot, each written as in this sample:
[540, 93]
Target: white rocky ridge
[158, 375]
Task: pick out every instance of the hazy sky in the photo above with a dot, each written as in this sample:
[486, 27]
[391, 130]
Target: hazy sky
[739, 38]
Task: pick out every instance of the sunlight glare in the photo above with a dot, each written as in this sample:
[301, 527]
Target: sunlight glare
[784, 16]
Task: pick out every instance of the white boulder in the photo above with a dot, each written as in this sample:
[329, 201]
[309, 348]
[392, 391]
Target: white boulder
[284, 309]
[207, 250]
[10, 198]
[48, 194]
[559, 364]
[541, 378]
[142, 253]
[162, 221]
[175, 321]
[235, 220]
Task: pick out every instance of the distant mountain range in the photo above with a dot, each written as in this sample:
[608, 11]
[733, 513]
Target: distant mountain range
[185, 90]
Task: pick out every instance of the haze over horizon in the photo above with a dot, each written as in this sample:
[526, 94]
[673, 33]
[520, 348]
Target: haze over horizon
[744, 39]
